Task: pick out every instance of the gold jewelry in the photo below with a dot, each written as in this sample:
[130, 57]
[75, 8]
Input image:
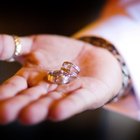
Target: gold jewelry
[18, 48]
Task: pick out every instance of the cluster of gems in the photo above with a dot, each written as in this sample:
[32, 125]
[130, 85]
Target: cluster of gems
[65, 75]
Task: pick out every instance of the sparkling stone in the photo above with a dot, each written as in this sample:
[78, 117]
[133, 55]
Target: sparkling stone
[63, 79]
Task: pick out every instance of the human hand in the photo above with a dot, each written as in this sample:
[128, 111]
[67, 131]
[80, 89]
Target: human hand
[27, 96]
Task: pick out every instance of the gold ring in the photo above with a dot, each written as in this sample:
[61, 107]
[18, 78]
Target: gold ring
[18, 48]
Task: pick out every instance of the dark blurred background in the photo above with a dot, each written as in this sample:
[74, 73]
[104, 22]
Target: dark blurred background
[51, 16]
[63, 18]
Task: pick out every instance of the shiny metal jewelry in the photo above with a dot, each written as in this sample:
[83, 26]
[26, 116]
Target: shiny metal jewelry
[18, 48]
[70, 68]
[126, 82]
[67, 73]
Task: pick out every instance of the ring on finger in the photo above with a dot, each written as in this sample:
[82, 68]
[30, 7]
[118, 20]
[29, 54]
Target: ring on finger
[17, 50]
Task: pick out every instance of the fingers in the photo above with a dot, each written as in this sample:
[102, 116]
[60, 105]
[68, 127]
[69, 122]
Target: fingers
[92, 95]
[12, 86]
[61, 104]
[10, 108]
[38, 110]
[7, 46]
[56, 106]
[72, 104]
[24, 78]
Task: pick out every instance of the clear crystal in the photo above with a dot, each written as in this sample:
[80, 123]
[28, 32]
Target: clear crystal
[63, 79]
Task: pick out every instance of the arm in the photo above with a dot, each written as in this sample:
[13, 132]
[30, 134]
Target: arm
[119, 24]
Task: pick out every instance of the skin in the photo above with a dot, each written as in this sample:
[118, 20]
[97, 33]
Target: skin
[30, 98]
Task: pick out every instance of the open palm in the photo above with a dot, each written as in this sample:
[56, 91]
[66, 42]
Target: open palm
[27, 96]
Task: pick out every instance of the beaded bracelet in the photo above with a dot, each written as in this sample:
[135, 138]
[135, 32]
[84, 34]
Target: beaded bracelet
[126, 82]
